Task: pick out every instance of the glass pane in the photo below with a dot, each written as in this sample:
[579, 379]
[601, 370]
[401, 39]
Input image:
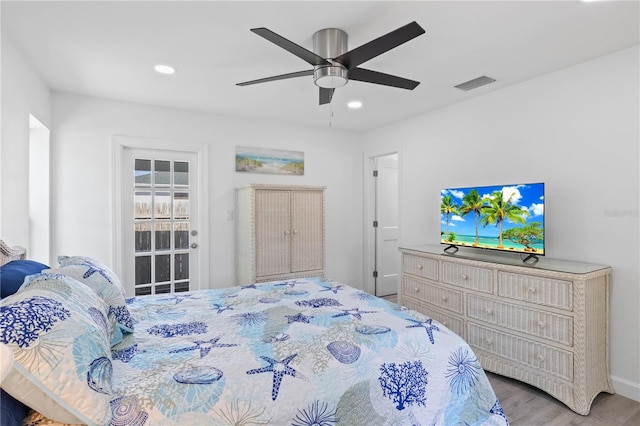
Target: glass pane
[181, 235]
[181, 173]
[163, 174]
[163, 235]
[143, 236]
[182, 266]
[164, 288]
[184, 286]
[142, 172]
[163, 267]
[142, 205]
[163, 205]
[181, 205]
[143, 291]
[143, 270]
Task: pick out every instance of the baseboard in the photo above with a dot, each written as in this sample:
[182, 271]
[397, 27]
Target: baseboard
[626, 388]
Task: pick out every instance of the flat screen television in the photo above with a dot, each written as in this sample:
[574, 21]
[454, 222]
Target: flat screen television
[500, 217]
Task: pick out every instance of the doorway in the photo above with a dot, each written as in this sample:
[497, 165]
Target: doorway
[161, 236]
[39, 192]
[383, 225]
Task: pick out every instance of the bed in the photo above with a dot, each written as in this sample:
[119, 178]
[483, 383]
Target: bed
[298, 352]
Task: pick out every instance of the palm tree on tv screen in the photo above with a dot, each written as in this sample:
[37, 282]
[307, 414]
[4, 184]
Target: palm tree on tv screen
[472, 202]
[448, 207]
[499, 209]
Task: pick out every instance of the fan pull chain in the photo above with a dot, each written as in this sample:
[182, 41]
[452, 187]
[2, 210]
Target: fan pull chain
[331, 115]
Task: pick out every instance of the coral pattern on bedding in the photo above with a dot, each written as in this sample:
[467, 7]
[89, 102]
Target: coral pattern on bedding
[300, 353]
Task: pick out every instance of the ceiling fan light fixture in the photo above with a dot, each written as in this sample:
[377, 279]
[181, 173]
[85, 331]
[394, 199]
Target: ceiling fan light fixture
[330, 77]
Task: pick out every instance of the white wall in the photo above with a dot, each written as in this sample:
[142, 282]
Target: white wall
[82, 176]
[23, 93]
[577, 130]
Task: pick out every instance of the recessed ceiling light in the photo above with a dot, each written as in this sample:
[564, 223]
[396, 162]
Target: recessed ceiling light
[164, 69]
[354, 104]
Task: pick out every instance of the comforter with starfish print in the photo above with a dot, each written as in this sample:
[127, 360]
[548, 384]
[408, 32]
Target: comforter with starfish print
[300, 352]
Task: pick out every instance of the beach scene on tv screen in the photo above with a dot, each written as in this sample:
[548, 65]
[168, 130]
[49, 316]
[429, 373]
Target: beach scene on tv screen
[503, 217]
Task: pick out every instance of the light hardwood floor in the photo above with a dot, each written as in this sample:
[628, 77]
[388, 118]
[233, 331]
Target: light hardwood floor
[526, 405]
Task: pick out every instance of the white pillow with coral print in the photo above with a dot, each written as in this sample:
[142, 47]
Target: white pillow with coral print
[62, 357]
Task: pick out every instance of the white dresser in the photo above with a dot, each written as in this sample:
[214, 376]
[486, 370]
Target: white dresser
[280, 232]
[544, 324]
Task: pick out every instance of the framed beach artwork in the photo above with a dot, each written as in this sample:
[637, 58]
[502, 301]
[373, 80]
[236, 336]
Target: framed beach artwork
[266, 160]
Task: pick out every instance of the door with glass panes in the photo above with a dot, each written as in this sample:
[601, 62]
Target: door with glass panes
[160, 225]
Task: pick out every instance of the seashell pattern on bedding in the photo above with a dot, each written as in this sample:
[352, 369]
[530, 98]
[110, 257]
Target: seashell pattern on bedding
[300, 353]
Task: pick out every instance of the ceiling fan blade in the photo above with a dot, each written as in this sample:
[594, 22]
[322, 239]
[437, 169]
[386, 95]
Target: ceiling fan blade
[370, 50]
[368, 76]
[326, 95]
[277, 77]
[290, 46]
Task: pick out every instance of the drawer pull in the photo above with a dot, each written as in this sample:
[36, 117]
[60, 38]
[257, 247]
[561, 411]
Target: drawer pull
[532, 290]
[488, 342]
[540, 357]
[444, 298]
[420, 267]
[489, 311]
[541, 324]
[417, 289]
[464, 276]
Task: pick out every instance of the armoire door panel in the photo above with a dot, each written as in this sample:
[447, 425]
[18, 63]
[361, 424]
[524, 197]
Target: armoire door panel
[273, 249]
[307, 231]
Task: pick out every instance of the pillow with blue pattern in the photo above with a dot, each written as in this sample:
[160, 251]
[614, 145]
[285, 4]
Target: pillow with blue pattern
[95, 267]
[62, 356]
[70, 287]
[103, 287]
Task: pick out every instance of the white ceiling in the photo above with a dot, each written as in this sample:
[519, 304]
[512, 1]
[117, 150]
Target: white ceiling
[108, 49]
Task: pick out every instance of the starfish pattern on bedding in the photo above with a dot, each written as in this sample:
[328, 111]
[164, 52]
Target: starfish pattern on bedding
[427, 325]
[279, 369]
[289, 283]
[221, 308]
[300, 317]
[204, 346]
[178, 298]
[355, 312]
[333, 289]
[92, 270]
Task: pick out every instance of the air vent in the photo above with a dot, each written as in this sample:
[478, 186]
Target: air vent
[475, 83]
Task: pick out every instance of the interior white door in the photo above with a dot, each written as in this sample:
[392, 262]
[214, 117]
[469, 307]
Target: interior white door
[386, 239]
[160, 221]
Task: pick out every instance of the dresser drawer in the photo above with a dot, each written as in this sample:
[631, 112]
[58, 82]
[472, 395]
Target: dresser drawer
[479, 279]
[542, 291]
[420, 266]
[547, 325]
[453, 323]
[522, 351]
[424, 290]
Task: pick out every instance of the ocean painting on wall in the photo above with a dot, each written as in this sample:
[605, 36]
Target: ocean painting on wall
[265, 160]
[502, 217]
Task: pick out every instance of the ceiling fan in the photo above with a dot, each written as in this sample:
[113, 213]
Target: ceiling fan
[334, 66]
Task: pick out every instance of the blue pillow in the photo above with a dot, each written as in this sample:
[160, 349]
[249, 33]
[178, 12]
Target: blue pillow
[13, 411]
[13, 273]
